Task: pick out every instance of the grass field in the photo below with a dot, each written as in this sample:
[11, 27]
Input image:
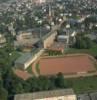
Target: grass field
[53, 53]
[92, 51]
[83, 84]
[29, 69]
[38, 68]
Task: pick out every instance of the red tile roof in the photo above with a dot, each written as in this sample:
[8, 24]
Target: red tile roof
[22, 74]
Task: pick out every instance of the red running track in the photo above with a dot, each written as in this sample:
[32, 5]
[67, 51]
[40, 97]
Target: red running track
[66, 65]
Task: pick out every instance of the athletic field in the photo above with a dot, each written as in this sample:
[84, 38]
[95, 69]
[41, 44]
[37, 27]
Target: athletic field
[68, 65]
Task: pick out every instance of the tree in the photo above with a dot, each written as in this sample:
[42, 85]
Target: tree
[10, 83]
[82, 42]
[33, 84]
[38, 84]
[88, 42]
[60, 83]
[52, 82]
[44, 83]
[3, 94]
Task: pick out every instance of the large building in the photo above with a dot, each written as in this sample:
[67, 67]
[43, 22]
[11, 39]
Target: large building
[24, 61]
[63, 94]
[30, 37]
[49, 39]
[38, 41]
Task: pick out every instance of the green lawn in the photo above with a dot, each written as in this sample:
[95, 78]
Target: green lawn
[29, 69]
[83, 85]
[53, 53]
[91, 51]
[37, 68]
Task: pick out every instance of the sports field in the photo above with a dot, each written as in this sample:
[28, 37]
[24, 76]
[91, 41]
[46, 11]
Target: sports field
[72, 64]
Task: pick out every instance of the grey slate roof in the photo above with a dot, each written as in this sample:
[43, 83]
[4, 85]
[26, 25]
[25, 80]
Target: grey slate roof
[24, 58]
[27, 56]
[44, 94]
[36, 31]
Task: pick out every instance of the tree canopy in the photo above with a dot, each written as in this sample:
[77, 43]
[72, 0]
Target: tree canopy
[82, 42]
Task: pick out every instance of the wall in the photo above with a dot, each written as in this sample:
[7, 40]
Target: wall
[68, 97]
[19, 65]
[49, 40]
[29, 61]
[35, 57]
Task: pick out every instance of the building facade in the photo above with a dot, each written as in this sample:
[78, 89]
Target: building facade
[50, 40]
[27, 59]
[63, 94]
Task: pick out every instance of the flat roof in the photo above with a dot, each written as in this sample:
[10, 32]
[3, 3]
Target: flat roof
[24, 58]
[83, 97]
[44, 94]
[36, 31]
[27, 56]
[93, 96]
[72, 64]
[30, 41]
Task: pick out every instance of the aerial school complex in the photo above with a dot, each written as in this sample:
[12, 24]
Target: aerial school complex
[45, 41]
[48, 47]
[72, 65]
